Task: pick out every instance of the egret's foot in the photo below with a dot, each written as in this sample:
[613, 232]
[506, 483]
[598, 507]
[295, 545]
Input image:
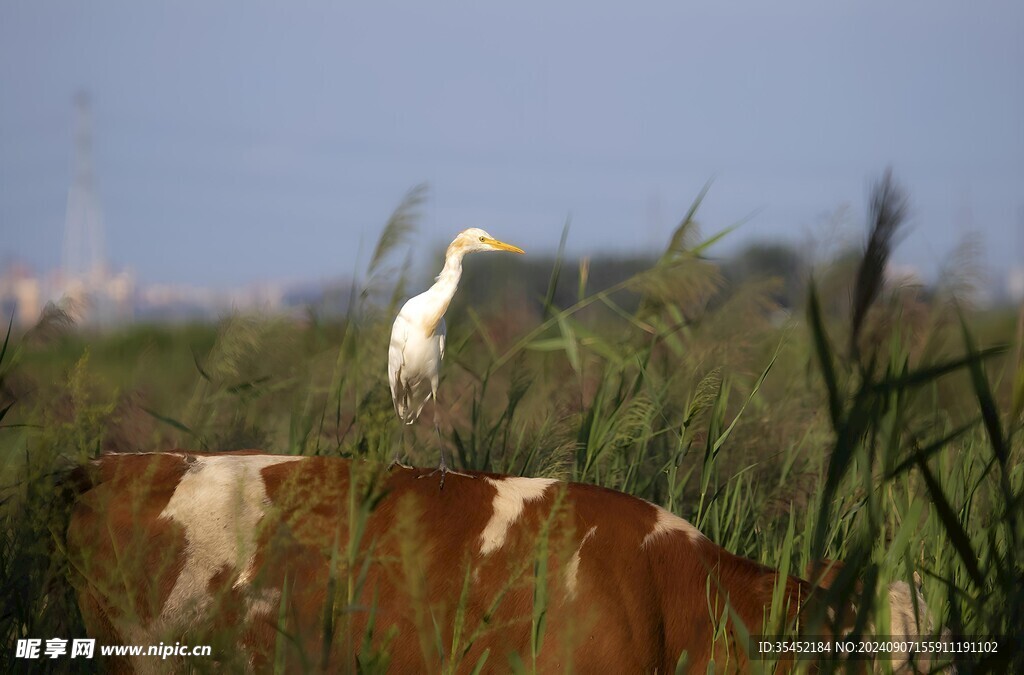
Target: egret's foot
[444, 471]
[395, 462]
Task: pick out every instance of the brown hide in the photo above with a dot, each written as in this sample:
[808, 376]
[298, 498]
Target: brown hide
[344, 563]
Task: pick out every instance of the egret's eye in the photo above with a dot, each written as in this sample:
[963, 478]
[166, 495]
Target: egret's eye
[481, 238]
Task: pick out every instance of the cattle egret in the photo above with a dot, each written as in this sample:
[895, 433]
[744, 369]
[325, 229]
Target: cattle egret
[418, 336]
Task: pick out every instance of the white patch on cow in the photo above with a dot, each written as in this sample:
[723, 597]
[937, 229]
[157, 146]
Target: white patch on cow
[263, 604]
[901, 610]
[572, 570]
[509, 502]
[904, 623]
[219, 502]
[667, 522]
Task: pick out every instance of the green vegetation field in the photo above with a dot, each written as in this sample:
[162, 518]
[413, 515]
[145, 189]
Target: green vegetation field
[790, 419]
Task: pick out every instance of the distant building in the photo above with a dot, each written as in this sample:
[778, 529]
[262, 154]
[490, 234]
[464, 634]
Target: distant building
[21, 294]
[100, 298]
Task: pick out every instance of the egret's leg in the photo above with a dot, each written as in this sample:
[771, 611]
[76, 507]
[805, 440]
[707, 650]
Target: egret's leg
[443, 467]
[397, 459]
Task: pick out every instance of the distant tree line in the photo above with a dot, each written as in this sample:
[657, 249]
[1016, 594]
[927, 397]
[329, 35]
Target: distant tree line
[782, 267]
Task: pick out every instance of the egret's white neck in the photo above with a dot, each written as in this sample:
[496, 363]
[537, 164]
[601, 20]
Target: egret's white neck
[441, 293]
[452, 270]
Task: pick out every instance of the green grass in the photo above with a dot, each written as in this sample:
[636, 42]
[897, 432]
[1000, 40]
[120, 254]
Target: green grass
[884, 431]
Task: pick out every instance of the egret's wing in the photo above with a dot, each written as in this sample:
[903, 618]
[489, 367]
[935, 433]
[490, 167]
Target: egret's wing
[396, 360]
[441, 333]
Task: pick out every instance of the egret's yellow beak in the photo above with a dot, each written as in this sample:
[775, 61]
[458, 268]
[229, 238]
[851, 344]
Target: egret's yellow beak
[502, 246]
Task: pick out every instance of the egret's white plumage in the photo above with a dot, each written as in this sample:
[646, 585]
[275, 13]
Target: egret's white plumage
[418, 335]
[414, 362]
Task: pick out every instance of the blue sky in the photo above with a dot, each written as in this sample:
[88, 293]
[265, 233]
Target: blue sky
[244, 141]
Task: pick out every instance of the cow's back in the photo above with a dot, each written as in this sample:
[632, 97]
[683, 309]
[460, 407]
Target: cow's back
[314, 562]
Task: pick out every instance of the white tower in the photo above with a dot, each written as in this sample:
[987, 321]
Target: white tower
[83, 222]
[91, 293]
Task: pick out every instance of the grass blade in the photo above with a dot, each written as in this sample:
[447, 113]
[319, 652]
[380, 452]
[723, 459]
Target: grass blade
[961, 542]
[824, 352]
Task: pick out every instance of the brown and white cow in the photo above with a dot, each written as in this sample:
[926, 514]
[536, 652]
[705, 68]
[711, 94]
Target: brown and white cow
[322, 563]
